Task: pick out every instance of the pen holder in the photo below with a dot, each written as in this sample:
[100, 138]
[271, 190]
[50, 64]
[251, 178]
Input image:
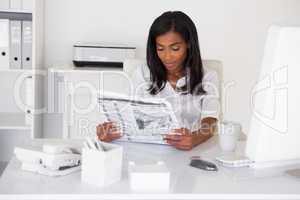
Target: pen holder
[102, 168]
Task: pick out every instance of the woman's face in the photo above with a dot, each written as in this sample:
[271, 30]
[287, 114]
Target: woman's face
[172, 51]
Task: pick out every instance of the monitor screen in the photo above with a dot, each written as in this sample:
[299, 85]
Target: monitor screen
[274, 133]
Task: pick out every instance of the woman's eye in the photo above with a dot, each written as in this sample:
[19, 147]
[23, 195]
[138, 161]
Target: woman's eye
[175, 48]
[159, 49]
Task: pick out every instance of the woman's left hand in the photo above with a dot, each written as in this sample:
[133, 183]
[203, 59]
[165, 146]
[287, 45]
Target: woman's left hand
[183, 139]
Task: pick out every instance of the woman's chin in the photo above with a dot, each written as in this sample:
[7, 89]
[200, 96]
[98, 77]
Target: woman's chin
[172, 69]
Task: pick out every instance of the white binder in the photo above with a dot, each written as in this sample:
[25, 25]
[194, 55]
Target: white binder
[4, 44]
[27, 5]
[27, 44]
[15, 4]
[29, 94]
[4, 4]
[15, 44]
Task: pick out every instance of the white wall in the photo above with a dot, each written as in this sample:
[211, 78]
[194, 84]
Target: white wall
[233, 31]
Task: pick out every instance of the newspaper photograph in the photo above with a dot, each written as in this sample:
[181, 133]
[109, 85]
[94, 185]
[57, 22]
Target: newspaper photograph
[139, 119]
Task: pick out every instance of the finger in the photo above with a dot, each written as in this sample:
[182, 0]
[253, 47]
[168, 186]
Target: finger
[102, 128]
[108, 123]
[102, 136]
[180, 131]
[173, 137]
[185, 148]
[172, 143]
[177, 131]
[106, 139]
[180, 145]
[102, 131]
[115, 135]
[99, 128]
[107, 127]
[183, 138]
[103, 125]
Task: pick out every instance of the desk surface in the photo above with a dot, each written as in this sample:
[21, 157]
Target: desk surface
[186, 182]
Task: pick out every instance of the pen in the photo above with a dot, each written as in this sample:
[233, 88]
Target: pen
[99, 145]
[90, 143]
[85, 144]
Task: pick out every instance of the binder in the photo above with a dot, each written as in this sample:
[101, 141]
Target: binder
[16, 4]
[29, 93]
[27, 44]
[4, 4]
[4, 44]
[15, 44]
[27, 5]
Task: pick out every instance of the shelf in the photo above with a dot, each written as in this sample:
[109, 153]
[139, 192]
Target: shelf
[15, 70]
[65, 69]
[15, 11]
[13, 121]
[15, 15]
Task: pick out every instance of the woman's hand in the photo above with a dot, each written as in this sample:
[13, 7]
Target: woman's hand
[181, 138]
[184, 139]
[108, 132]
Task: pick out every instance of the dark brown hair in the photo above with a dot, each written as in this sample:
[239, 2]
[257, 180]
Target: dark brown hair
[178, 22]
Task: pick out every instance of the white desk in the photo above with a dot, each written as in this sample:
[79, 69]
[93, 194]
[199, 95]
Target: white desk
[186, 182]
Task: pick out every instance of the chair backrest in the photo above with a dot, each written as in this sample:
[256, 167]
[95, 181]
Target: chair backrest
[130, 66]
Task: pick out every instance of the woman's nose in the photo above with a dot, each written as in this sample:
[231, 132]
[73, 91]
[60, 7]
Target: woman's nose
[167, 55]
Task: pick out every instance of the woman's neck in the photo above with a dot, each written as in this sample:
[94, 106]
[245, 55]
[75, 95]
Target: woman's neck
[175, 76]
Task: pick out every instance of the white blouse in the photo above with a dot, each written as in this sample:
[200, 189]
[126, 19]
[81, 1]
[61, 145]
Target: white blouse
[189, 109]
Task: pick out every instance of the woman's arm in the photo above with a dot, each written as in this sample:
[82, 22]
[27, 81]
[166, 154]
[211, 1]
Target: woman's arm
[208, 127]
[184, 139]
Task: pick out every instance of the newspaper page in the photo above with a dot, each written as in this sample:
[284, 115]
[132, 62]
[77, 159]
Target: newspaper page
[139, 119]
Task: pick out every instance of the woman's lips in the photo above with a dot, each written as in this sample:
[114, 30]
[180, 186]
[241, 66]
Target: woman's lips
[170, 65]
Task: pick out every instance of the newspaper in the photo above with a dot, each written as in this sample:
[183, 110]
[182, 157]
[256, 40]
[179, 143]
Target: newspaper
[139, 119]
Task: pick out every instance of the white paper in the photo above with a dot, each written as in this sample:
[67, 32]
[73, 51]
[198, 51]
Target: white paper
[139, 119]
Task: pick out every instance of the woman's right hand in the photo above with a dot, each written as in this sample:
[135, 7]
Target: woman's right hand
[108, 131]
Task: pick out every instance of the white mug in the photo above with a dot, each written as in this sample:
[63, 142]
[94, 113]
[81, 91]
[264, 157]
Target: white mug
[229, 134]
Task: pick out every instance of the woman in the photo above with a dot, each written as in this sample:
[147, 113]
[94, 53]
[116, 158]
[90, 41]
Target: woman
[174, 71]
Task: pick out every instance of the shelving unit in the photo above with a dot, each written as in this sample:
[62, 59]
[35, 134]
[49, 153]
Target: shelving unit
[18, 124]
[13, 121]
[77, 124]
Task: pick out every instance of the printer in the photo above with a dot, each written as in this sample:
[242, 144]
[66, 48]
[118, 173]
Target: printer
[97, 55]
[50, 159]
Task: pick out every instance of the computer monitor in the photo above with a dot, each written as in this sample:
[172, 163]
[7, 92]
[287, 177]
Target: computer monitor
[274, 134]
